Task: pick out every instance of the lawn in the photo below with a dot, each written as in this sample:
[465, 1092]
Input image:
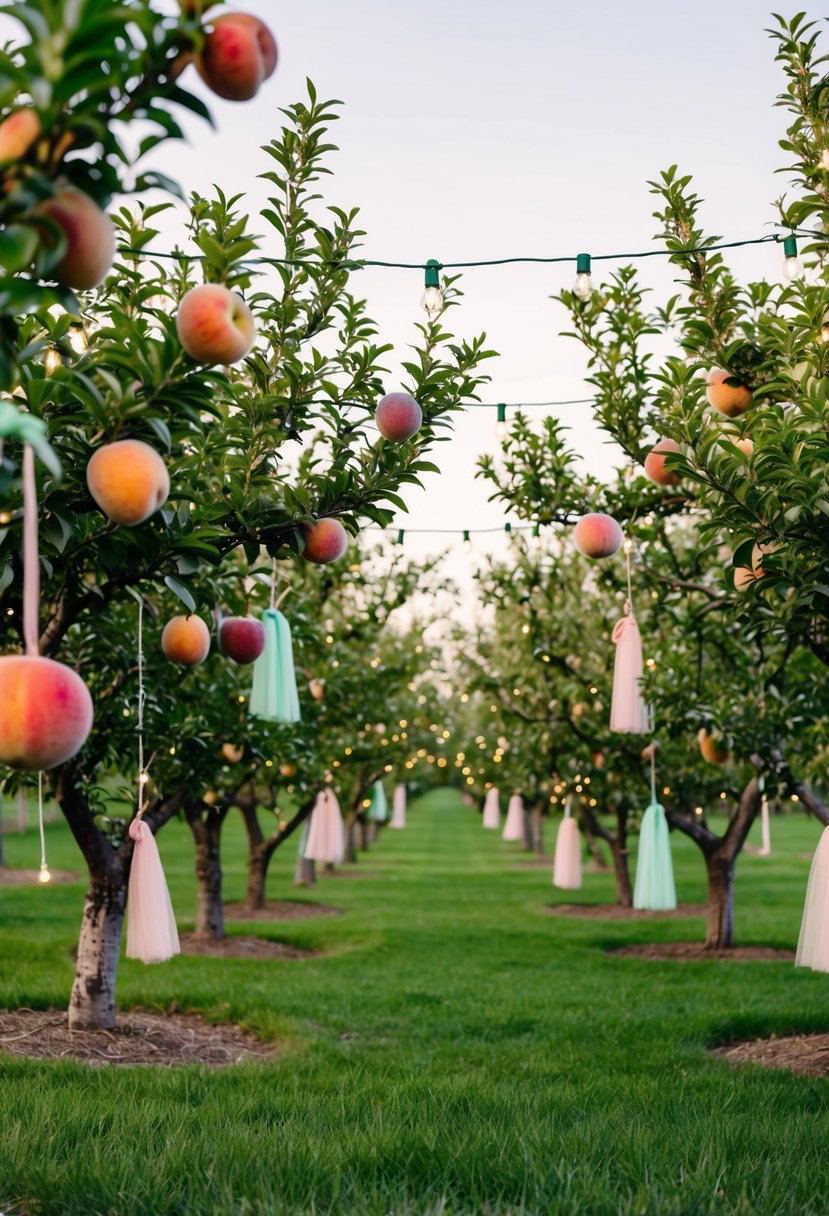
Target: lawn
[455, 1049]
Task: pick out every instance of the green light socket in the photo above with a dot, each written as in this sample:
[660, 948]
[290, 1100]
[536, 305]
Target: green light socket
[790, 246]
[502, 412]
[582, 263]
[431, 277]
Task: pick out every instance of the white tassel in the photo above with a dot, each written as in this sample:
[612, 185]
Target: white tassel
[813, 943]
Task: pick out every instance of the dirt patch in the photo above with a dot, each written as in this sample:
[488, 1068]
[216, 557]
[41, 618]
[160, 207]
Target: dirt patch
[616, 912]
[804, 1053]
[241, 947]
[27, 878]
[690, 952]
[165, 1039]
[281, 909]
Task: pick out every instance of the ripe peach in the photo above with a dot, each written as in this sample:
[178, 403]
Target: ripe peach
[317, 689]
[238, 55]
[745, 445]
[242, 638]
[128, 480]
[231, 753]
[598, 535]
[17, 133]
[215, 325]
[711, 748]
[45, 712]
[287, 769]
[325, 541]
[90, 238]
[398, 417]
[727, 393]
[743, 575]
[186, 640]
[655, 463]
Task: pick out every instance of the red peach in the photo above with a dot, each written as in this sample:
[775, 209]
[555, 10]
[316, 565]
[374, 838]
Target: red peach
[598, 535]
[744, 576]
[242, 638]
[128, 480]
[711, 749]
[45, 712]
[90, 237]
[655, 463]
[238, 55]
[17, 133]
[398, 417]
[215, 325]
[325, 541]
[232, 753]
[317, 689]
[727, 393]
[186, 640]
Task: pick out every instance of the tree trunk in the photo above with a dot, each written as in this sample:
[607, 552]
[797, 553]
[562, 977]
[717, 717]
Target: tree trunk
[350, 842]
[593, 846]
[362, 829]
[719, 933]
[257, 875]
[305, 874]
[529, 834]
[624, 889]
[92, 1004]
[210, 916]
[538, 829]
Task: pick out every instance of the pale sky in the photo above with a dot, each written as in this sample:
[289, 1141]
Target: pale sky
[490, 130]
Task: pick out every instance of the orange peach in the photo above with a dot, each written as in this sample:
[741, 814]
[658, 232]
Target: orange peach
[598, 535]
[744, 576]
[45, 712]
[90, 238]
[231, 753]
[17, 133]
[398, 417]
[745, 445]
[727, 393]
[317, 689]
[238, 55]
[655, 463]
[128, 480]
[711, 748]
[325, 541]
[186, 640]
[287, 769]
[215, 324]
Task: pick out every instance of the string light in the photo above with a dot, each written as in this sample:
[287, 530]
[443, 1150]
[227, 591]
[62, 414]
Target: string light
[792, 265]
[501, 424]
[467, 541]
[51, 361]
[583, 287]
[432, 299]
[43, 876]
[538, 544]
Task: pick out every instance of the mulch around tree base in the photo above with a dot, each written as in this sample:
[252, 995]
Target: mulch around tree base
[281, 909]
[617, 912]
[690, 952]
[803, 1053]
[242, 947]
[165, 1039]
[26, 878]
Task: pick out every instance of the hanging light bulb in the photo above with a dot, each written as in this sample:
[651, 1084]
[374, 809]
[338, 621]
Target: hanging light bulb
[582, 286]
[467, 541]
[501, 424]
[792, 265]
[432, 299]
[400, 534]
[52, 361]
[537, 542]
[78, 339]
[44, 876]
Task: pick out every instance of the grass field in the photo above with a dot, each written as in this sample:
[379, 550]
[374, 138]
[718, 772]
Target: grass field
[457, 1050]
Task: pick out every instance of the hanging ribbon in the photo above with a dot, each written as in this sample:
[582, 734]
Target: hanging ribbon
[567, 860]
[628, 712]
[654, 889]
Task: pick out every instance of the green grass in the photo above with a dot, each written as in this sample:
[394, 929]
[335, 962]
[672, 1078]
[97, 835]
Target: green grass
[456, 1051]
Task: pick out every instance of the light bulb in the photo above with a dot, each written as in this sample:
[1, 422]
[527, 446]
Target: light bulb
[582, 286]
[44, 876]
[52, 361]
[824, 159]
[501, 424]
[78, 339]
[432, 299]
[792, 265]
[467, 542]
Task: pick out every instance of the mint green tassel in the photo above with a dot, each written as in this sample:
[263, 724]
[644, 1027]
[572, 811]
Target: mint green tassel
[274, 697]
[379, 809]
[654, 890]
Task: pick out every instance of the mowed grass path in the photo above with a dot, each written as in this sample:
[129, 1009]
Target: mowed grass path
[456, 1050]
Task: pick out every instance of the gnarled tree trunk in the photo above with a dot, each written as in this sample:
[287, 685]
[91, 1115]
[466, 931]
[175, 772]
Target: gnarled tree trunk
[206, 824]
[538, 828]
[617, 843]
[719, 934]
[92, 1004]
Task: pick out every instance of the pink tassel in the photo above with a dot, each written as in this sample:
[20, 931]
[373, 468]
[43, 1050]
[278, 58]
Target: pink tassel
[567, 863]
[152, 936]
[398, 819]
[628, 712]
[326, 834]
[492, 809]
[514, 826]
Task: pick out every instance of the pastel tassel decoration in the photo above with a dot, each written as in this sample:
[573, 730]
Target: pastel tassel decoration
[398, 819]
[326, 834]
[492, 809]
[765, 828]
[274, 696]
[628, 711]
[379, 809]
[813, 943]
[152, 936]
[567, 862]
[654, 890]
[514, 826]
